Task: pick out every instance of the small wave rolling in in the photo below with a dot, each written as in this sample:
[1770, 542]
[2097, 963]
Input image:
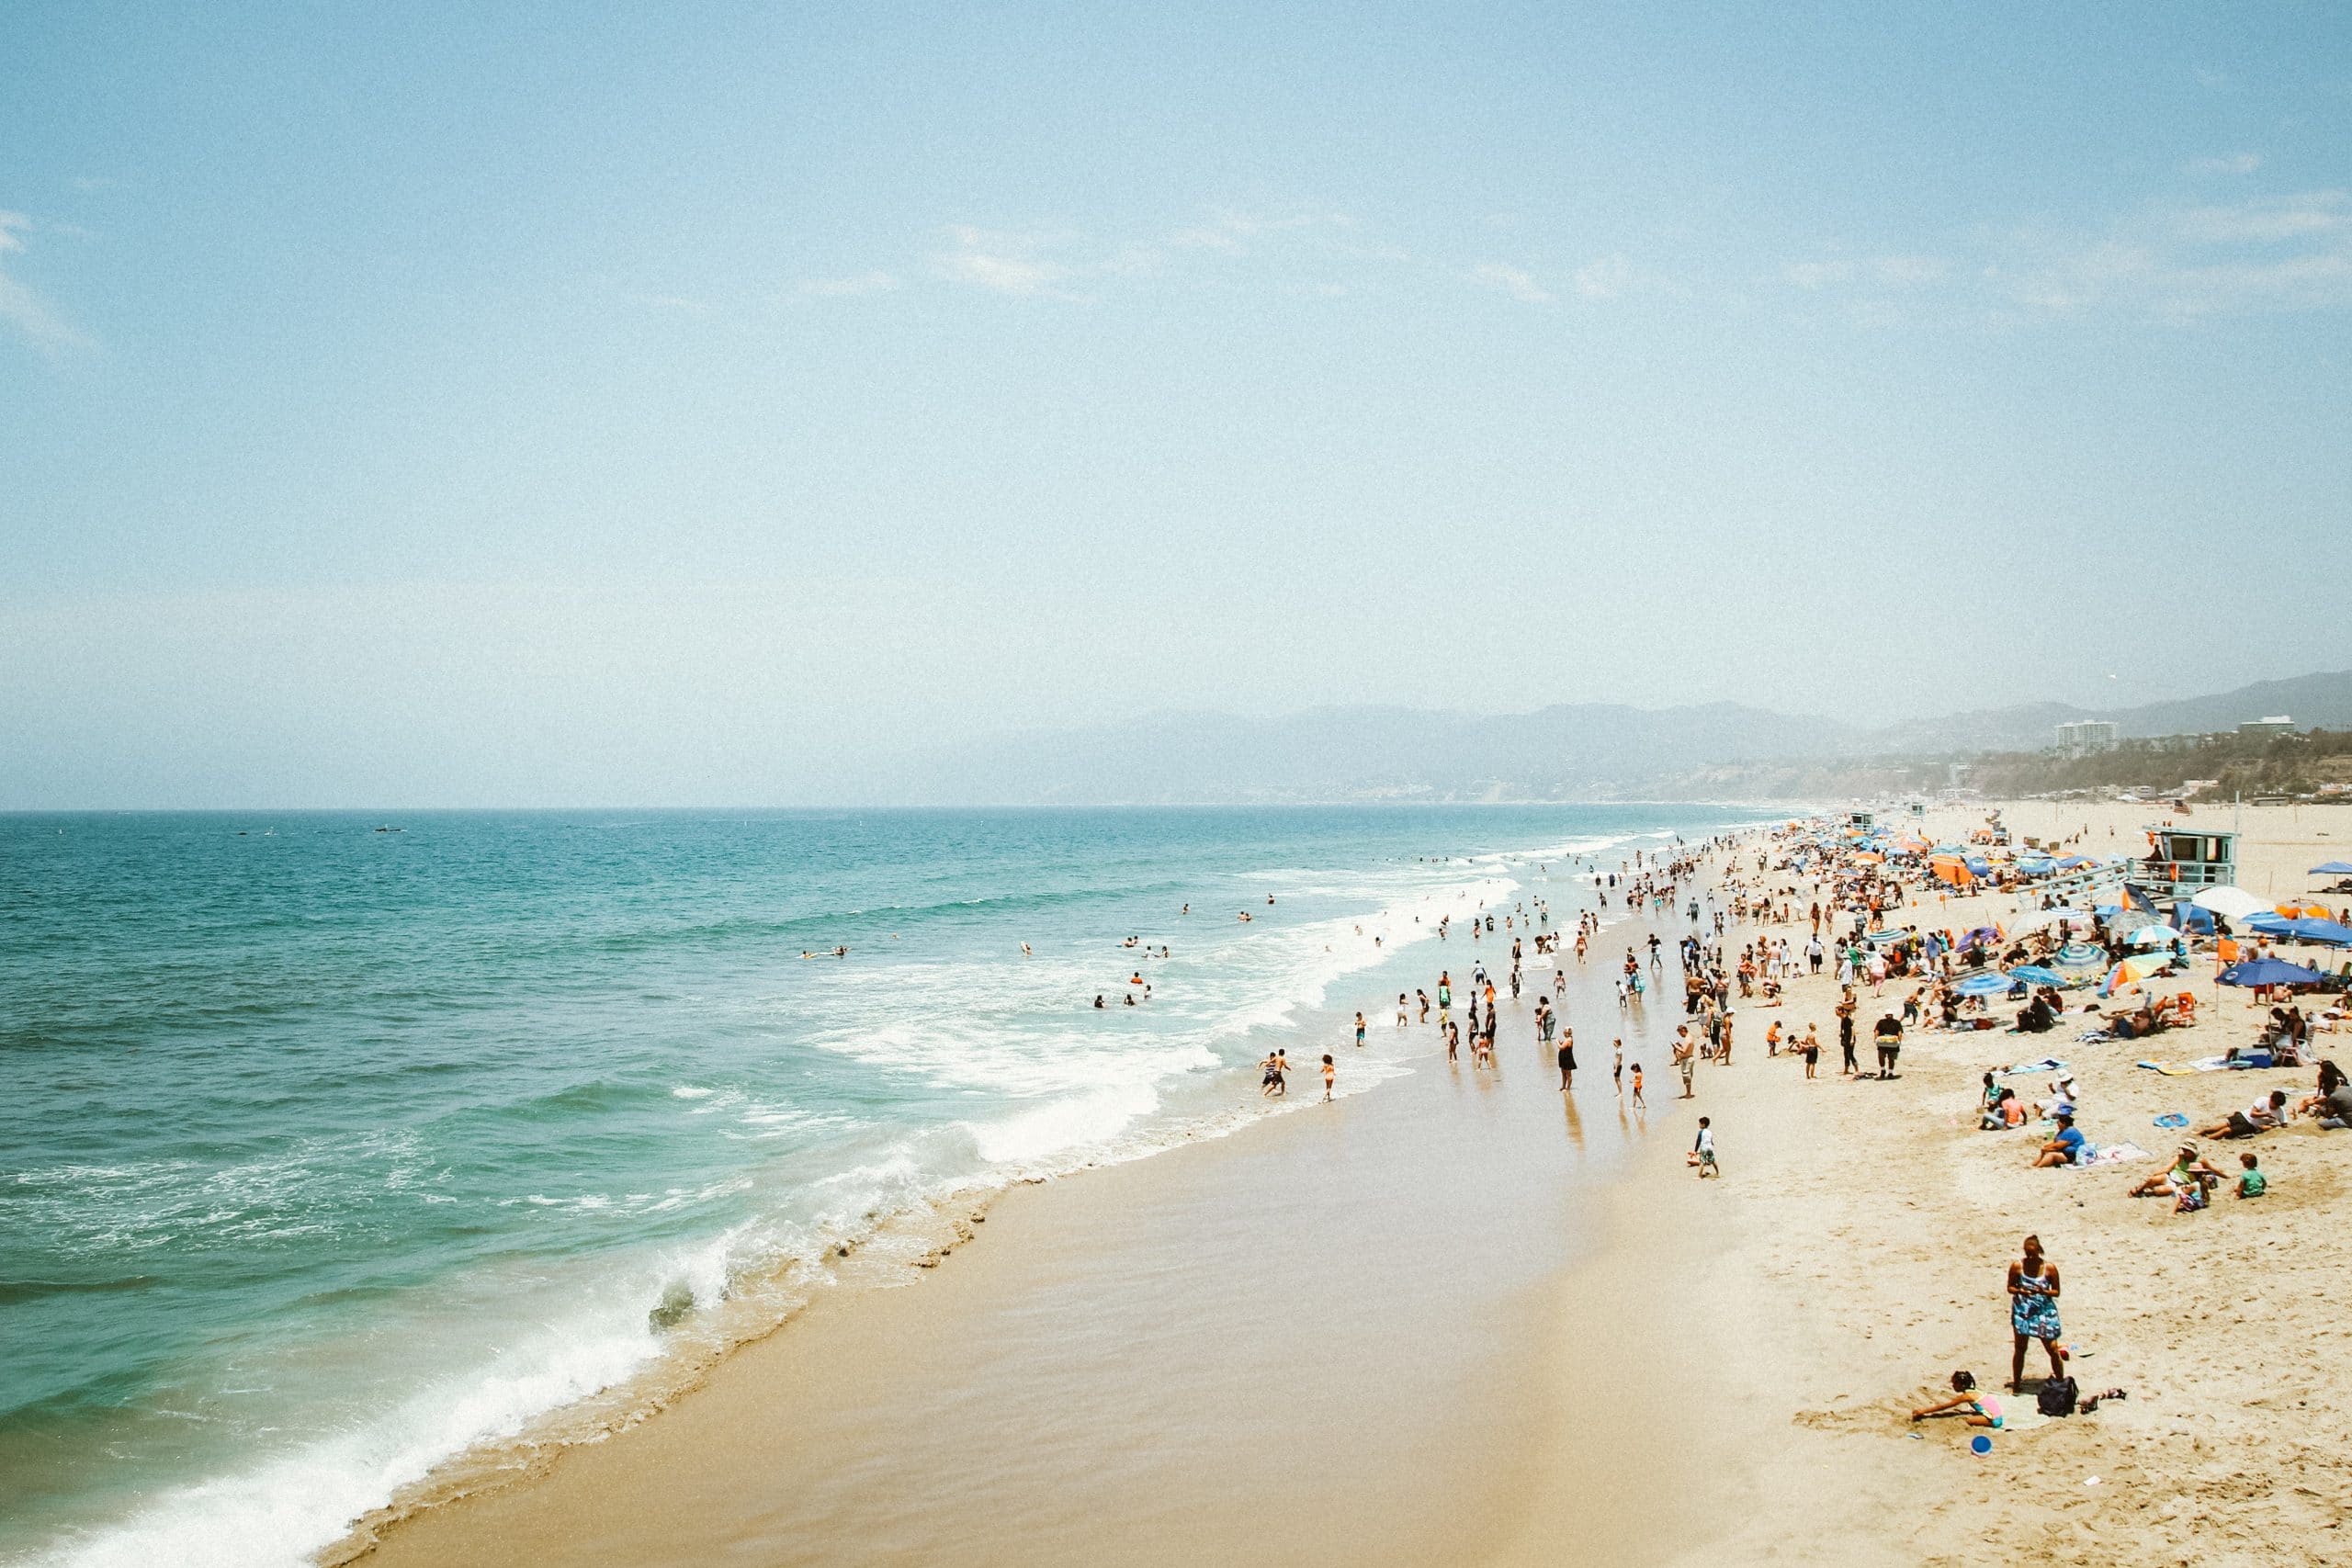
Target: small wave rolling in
[327, 1152]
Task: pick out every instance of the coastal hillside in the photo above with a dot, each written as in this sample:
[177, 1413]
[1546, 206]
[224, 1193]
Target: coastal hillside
[1582, 752]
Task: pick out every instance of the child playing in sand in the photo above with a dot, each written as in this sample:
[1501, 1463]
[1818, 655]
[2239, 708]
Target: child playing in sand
[2252, 1183]
[1330, 1075]
[1981, 1412]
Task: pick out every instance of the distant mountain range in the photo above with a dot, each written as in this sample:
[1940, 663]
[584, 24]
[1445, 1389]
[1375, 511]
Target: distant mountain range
[1584, 751]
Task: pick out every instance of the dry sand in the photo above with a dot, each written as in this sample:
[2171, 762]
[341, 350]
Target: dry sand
[1463, 1318]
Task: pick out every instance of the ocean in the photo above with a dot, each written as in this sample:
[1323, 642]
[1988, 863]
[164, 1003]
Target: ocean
[335, 1145]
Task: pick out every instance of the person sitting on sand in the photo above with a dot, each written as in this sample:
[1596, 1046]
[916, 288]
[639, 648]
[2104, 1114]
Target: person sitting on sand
[2252, 1183]
[1964, 1399]
[2189, 1170]
[2331, 1077]
[2259, 1117]
[2064, 1147]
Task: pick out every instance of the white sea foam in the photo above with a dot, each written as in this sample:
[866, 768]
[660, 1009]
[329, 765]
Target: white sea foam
[1064, 1083]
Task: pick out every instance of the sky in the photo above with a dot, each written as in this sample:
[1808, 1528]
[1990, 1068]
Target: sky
[566, 404]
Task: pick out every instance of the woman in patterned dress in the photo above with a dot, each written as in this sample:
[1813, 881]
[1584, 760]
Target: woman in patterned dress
[2033, 1310]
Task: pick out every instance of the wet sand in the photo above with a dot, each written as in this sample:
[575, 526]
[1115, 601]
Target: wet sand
[1256, 1348]
[1458, 1320]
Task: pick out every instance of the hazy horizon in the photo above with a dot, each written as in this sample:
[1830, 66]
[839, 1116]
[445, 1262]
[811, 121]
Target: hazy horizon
[529, 407]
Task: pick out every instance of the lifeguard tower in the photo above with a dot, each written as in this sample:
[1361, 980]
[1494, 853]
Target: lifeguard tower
[1861, 821]
[2181, 863]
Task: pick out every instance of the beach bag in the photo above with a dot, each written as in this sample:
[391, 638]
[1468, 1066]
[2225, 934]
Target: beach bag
[2056, 1397]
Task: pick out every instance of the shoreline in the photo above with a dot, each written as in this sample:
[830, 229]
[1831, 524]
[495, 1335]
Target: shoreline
[1253, 1138]
[1655, 1368]
[923, 1240]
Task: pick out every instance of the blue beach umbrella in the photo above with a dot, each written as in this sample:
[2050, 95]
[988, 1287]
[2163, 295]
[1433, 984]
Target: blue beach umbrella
[2332, 868]
[2270, 971]
[1985, 985]
[2037, 974]
[2309, 929]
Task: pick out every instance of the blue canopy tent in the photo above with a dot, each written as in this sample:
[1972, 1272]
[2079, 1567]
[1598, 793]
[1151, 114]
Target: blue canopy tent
[2332, 868]
[2270, 971]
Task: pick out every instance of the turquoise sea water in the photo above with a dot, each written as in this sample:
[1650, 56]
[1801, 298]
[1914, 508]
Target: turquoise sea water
[326, 1151]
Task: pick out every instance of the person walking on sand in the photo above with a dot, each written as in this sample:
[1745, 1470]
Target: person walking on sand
[1617, 1066]
[1703, 1152]
[2033, 1311]
[1686, 1059]
[1812, 1050]
[1638, 1102]
[1331, 1076]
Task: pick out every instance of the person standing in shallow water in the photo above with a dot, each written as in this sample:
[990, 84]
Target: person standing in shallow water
[1567, 1059]
[2033, 1311]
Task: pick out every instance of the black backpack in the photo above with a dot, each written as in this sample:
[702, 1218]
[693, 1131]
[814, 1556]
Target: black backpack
[2056, 1397]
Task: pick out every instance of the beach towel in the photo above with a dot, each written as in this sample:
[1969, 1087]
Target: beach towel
[2047, 1064]
[2168, 1070]
[2172, 1119]
[2114, 1154]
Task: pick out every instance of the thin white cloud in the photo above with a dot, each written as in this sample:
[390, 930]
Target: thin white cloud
[22, 306]
[1897, 271]
[1604, 277]
[1001, 262]
[863, 283]
[2269, 220]
[2236, 163]
[1514, 281]
[2288, 253]
[1908, 271]
[1818, 275]
[1233, 232]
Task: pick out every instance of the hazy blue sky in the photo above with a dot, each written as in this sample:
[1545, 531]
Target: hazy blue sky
[505, 402]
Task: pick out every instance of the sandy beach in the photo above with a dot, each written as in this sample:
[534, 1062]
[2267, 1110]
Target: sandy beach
[1466, 1318]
